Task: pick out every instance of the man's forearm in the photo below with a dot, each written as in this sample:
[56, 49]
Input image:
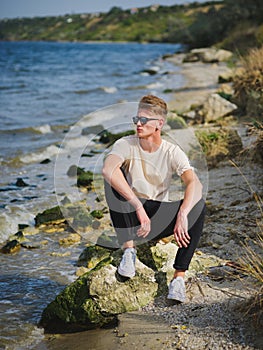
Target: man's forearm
[116, 179]
[193, 193]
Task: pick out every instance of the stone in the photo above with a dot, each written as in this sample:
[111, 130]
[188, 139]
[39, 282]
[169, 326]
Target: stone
[85, 179]
[81, 217]
[176, 122]
[208, 55]
[21, 183]
[217, 107]
[73, 238]
[98, 214]
[225, 77]
[93, 129]
[11, 247]
[92, 255]
[49, 215]
[74, 170]
[97, 297]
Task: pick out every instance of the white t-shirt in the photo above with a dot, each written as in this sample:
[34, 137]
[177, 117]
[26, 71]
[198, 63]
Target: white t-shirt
[149, 174]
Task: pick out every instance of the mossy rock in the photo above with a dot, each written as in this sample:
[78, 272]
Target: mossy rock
[92, 255]
[74, 170]
[108, 240]
[96, 298]
[82, 218]
[49, 215]
[97, 214]
[74, 310]
[11, 247]
[176, 122]
[108, 138]
[85, 179]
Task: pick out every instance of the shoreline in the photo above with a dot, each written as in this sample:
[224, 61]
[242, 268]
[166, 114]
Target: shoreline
[153, 327]
[201, 80]
[160, 326]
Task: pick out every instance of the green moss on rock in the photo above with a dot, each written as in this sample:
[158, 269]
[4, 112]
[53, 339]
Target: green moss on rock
[92, 255]
[48, 216]
[98, 214]
[85, 179]
[108, 138]
[82, 218]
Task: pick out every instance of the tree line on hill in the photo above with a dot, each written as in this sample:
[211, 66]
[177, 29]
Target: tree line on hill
[232, 24]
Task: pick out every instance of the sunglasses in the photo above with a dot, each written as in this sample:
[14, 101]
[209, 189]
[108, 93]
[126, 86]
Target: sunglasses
[142, 120]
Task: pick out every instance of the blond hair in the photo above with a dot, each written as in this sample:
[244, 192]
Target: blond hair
[154, 104]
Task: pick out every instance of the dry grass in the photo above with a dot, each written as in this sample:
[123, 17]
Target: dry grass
[251, 263]
[254, 152]
[218, 144]
[248, 83]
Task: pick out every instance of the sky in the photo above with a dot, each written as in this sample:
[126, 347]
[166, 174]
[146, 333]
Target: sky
[32, 8]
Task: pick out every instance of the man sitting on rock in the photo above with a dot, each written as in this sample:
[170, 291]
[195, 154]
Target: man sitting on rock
[138, 171]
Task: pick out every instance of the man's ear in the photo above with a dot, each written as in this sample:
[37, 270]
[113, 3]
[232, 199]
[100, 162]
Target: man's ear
[160, 123]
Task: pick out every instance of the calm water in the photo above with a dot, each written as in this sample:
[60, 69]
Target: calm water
[45, 89]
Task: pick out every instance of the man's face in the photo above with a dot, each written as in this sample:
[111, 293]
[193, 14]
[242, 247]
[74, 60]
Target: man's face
[147, 123]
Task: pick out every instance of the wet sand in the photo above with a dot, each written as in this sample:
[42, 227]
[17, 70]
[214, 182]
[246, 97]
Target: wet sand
[136, 330]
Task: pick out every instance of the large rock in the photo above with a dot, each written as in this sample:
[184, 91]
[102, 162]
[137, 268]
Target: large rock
[51, 215]
[97, 297]
[208, 55]
[217, 107]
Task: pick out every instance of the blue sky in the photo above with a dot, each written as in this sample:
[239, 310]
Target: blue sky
[32, 8]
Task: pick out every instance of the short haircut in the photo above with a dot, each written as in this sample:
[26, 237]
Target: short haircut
[154, 104]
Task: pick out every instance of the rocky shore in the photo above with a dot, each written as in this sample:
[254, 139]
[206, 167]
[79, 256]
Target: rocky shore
[216, 314]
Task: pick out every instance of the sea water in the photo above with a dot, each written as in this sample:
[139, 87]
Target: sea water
[46, 89]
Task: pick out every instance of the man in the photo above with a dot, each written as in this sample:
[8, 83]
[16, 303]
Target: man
[138, 172]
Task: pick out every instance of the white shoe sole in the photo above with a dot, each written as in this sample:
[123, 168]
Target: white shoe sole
[175, 298]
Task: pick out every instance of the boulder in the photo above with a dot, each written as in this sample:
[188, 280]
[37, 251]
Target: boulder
[93, 129]
[52, 215]
[92, 255]
[216, 107]
[176, 122]
[11, 247]
[97, 297]
[208, 55]
[20, 182]
[74, 170]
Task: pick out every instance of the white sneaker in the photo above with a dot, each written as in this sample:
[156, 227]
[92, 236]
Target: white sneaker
[177, 290]
[127, 264]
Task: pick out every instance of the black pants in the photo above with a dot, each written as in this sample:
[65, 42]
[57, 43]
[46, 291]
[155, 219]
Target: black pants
[163, 217]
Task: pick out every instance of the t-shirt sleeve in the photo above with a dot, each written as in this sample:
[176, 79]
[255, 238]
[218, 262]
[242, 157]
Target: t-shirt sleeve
[121, 148]
[180, 161]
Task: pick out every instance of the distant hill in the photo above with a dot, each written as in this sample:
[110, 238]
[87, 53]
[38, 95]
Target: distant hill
[232, 24]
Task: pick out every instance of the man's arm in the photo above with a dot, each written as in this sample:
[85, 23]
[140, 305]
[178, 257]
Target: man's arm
[113, 175]
[192, 194]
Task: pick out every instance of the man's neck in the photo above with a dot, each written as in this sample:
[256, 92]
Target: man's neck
[150, 144]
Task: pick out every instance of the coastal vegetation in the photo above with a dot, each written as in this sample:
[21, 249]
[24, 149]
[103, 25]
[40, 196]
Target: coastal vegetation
[232, 24]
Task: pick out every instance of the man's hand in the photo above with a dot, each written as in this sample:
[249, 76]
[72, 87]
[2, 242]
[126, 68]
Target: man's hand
[145, 228]
[181, 230]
